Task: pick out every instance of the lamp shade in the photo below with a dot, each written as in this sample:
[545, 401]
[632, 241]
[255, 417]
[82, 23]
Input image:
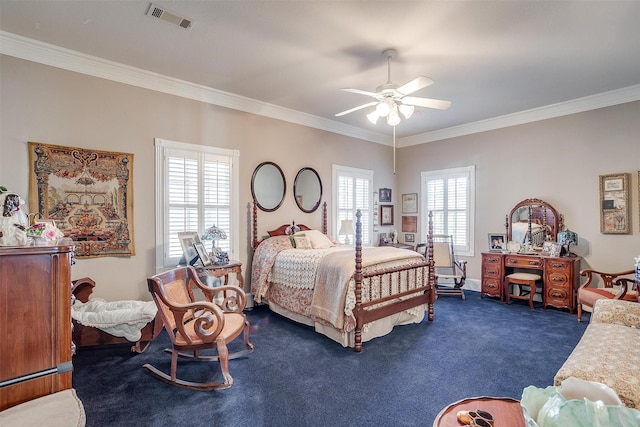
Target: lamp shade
[214, 233]
[567, 237]
[346, 227]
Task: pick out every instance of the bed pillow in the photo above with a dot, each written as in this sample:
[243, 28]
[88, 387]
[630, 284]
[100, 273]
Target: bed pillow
[318, 239]
[302, 242]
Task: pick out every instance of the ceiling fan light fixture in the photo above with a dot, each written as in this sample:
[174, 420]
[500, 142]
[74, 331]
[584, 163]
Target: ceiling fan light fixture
[373, 117]
[383, 109]
[406, 110]
[393, 118]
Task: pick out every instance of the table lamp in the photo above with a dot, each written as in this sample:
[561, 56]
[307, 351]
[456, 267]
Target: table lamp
[567, 237]
[346, 229]
[214, 233]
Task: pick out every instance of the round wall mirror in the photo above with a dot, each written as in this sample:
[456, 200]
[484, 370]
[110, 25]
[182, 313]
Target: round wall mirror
[307, 189]
[268, 186]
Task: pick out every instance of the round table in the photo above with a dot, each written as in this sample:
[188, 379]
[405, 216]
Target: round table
[506, 411]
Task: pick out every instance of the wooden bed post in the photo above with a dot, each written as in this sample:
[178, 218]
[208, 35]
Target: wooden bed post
[431, 268]
[324, 218]
[358, 279]
[254, 231]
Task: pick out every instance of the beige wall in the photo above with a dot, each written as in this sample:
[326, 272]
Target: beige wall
[556, 160]
[54, 106]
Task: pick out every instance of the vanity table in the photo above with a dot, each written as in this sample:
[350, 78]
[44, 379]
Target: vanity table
[560, 276]
[531, 222]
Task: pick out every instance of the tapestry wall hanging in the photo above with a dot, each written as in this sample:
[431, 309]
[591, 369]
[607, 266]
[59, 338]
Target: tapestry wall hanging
[89, 195]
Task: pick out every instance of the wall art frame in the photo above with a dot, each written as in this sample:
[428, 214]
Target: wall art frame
[409, 224]
[386, 214]
[89, 195]
[410, 238]
[410, 203]
[385, 195]
[615, 216]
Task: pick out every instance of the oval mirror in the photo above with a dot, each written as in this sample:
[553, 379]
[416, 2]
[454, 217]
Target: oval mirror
[268, 186]
[307, 189]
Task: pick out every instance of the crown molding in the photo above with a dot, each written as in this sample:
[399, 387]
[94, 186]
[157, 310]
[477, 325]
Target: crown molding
[593, 102]
[56, 56]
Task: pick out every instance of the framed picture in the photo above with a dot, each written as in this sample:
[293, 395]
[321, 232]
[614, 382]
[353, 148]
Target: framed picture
[202, 253]
[385, 195]
[188, 241]
[497, 241]
[614, 204]
[410, 203]
[382, 239]
[547, 248]
[410, 224]
[556, 249]
[386, 214]
[410, 238]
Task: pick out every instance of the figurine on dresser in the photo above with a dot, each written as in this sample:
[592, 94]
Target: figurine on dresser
[13, 222]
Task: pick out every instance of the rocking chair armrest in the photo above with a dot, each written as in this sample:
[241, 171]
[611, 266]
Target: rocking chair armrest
[208, 318]
[229, 298]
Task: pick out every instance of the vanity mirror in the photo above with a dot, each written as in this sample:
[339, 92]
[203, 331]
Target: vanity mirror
[534, 221]
[268, 186]
[307, 190]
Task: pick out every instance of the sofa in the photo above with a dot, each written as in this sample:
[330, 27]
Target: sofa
[609, 350]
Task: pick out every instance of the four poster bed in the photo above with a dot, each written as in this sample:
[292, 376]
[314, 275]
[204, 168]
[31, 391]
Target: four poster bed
[351, 296]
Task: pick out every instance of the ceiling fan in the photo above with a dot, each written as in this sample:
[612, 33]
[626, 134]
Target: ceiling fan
[392, 100]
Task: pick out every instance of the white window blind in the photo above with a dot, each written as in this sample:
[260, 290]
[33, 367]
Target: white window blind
[448, 194]
[195, 191]
[352, 191]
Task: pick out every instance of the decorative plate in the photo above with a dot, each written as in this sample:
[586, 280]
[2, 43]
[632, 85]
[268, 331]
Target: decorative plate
[513, 246]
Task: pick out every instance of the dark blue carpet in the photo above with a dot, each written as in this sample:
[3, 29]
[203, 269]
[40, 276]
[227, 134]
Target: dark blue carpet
[295, 377]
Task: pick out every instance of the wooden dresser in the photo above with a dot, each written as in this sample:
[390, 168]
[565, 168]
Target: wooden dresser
[35, 322]
[559, 274]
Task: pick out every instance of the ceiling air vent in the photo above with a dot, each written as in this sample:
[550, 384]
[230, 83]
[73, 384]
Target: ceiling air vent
[165, 15]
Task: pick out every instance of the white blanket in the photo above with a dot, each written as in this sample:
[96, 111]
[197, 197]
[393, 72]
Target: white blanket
[120, 318]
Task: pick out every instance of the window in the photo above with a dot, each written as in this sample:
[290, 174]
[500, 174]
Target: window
[195, 189]
[352, 191]
[449, 194]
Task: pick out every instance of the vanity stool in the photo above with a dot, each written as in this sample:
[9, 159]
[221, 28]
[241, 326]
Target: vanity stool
[520, 279]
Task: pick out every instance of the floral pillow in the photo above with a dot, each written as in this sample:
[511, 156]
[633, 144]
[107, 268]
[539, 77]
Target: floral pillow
[302, 242]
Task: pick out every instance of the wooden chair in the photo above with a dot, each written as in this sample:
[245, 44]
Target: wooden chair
[613, 288]
[194, 326]
[446, 265]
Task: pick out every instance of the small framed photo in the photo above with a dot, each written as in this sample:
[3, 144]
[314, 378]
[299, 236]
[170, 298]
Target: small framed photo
[554, 249]
[497, 241]
[410, 203]
[410, 238]
[385, 195]
[202, 253]
[386, 214]
[383, 240]
[188, 240]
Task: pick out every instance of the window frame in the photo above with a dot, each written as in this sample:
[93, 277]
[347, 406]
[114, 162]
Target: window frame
[469, 172]
[337, 171]
[162, 146]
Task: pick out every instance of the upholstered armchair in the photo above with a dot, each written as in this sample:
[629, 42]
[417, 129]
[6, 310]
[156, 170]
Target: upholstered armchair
[614, 287]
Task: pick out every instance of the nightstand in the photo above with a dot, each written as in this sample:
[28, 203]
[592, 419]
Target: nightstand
[223, 270]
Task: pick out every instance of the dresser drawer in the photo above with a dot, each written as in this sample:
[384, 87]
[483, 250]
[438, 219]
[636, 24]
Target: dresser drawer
[557, 278]
[557, 265]
[493, 259]
[558, 296]
[492, 271]
[522, 261]
[492, 287]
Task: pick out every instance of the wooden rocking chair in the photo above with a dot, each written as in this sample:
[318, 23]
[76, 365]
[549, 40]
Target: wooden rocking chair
[193, 325]
[447, 266]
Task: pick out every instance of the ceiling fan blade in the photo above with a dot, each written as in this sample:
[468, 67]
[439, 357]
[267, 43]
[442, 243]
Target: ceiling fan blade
[360, 107]
[426, 102]
[361, 92]
[414, 85]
